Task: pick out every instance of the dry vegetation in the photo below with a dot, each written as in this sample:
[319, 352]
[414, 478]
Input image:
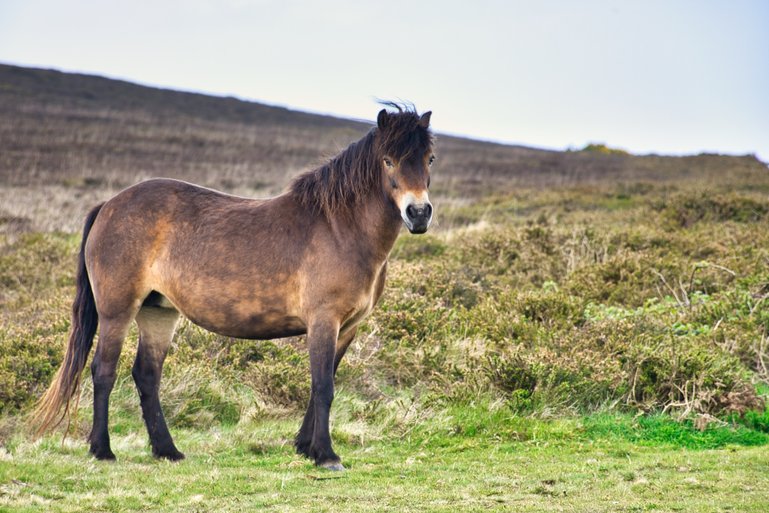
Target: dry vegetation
[68, 140]
[555, 285]
[554, 281]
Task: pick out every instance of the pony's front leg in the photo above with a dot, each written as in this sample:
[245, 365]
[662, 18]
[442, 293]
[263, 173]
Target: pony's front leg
[321, 339]
[304, 436]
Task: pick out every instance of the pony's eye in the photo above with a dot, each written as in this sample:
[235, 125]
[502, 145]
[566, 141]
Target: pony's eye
[388, 162]
[432, 159]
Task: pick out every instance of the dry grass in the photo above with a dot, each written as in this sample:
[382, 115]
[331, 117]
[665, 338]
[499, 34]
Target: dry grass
[68, 141]
[554, 284]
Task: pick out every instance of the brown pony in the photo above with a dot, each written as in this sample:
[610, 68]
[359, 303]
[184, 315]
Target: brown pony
[312, 260]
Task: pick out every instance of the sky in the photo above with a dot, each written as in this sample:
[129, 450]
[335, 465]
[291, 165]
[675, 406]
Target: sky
[648, 76]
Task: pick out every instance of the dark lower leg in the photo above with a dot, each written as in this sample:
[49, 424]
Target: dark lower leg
[146, 373]
[304, 438]
[320, 448]
[322, 344]
[103, 381]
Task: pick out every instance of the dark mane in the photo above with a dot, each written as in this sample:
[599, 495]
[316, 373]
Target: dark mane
[343, 180]
[355, 173]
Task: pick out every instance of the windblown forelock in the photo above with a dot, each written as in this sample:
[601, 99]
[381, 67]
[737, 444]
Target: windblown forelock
[404, 137]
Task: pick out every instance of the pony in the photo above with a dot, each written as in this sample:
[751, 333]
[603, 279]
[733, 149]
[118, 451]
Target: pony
[312, 261]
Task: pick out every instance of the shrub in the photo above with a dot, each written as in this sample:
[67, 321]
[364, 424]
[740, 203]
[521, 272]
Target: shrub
[603, 149]
[556, 302]
[686, 210]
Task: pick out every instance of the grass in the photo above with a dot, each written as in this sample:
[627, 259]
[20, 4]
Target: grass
[580, 331]
[593, 464]
[540, 354]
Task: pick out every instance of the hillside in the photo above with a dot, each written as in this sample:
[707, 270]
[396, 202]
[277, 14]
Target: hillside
[583, 331]
[75, 136]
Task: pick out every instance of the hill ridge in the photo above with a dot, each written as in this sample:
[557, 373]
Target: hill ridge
[97, 135]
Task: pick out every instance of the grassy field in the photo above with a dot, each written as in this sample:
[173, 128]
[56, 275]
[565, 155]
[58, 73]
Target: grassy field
[580, 331]
[599, 463]
[515, 363]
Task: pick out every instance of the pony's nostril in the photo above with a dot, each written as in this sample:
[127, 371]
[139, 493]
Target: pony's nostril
[428, 211]
[411, 211]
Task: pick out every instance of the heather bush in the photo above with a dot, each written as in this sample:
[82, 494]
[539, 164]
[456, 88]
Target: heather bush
[548, 302]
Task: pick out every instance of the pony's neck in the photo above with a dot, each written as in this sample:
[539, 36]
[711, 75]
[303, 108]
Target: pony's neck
[378, 223]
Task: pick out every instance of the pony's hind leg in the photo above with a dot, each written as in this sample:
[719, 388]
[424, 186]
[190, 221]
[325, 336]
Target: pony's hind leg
[156, 328]
[112, 332]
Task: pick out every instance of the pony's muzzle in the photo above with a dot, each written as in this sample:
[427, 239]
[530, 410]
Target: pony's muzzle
[418, 217]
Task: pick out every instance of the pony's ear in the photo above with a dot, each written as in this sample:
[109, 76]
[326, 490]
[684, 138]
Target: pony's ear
[424, 120]
[381, 119]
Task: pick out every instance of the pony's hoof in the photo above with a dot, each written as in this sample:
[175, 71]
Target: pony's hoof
[103, 455]
[334, 466]
[173, 455]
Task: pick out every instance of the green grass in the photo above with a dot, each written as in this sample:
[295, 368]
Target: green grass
[600, 344]
[662, 430]
[504, 463]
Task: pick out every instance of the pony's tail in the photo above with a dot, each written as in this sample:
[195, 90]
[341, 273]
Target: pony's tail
[66, 384]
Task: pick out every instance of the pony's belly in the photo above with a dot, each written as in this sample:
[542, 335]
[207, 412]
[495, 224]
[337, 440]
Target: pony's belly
[266, 333]
[252, 318]
[258, 326]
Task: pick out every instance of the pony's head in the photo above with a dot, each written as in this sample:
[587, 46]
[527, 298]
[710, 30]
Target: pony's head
[405, 149]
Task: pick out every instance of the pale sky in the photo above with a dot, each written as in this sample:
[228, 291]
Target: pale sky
[663, 76]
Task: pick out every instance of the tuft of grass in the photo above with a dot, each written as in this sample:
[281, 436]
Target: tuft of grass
[754, 420]
[659, 430]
